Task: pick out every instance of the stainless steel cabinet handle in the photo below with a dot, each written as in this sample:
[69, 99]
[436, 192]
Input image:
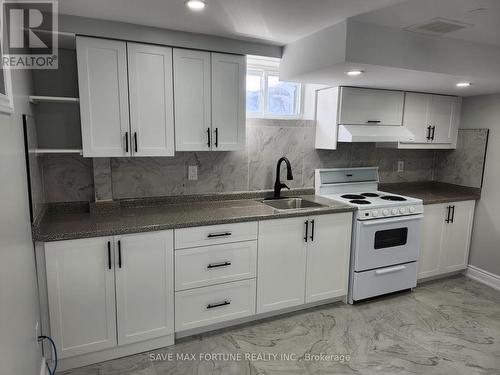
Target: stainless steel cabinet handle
[126, 142]
[216, 137]
[373, 121]
[216, 235]
[452, 214]
[433, 133]
[448, 213]
[219, 304]
[312, 230]
[217, 265]
[428, 133]
[208, 134]
[135, 142]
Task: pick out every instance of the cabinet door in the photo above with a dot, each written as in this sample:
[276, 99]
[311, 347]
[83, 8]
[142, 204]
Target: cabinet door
[457, 236]
[151, 100]
[228, 102]
[281, 264]
[432, 237]
[444, 115]
[81, 295]
[102, 81]
[328, 251]
[192, 100]
[415, 117]
[144, 286]
[370, 106]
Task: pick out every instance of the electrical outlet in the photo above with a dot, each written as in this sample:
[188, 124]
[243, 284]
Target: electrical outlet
[401, 166]
[192, 172]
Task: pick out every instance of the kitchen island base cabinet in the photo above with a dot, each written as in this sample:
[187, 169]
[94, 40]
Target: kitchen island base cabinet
[302, 260]
[446, 239]
[85, 313]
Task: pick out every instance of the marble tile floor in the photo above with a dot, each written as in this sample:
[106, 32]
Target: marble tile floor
[450, 326]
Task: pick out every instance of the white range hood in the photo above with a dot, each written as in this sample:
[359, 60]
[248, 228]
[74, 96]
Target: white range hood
[374, 133]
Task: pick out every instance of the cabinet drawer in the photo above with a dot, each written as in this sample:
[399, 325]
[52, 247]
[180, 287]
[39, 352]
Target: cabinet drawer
[384, 280]
[209, 265]
[215, 234]
[213, 304]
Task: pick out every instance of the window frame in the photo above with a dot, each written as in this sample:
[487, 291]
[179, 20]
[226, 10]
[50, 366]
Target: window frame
[270, 67]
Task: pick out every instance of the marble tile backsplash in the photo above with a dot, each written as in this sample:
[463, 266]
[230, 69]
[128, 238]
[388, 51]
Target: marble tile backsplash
[70, 178]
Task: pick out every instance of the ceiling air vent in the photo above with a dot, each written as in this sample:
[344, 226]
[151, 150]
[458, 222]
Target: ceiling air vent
[438, 26]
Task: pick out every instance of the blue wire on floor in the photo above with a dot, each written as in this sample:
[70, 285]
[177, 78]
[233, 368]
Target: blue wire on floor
[41, 338]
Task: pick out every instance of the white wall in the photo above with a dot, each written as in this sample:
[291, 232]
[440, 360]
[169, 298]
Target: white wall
[484, 112]
[19, 352]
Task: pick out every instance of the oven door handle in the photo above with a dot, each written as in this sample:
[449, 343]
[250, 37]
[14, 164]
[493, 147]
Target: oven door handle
[390, 270]
[399, 219]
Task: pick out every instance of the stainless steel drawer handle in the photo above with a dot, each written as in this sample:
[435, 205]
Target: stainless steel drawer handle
[220, 304]
[216, 265]
[216, 235]
[390, 270]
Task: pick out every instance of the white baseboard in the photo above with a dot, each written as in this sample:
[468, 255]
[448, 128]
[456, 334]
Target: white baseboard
[483, 277]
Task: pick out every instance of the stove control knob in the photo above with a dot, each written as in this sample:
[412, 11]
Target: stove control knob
[374, 213]
[394, 211]
[402, 210]
[385, 212]
[412, 209]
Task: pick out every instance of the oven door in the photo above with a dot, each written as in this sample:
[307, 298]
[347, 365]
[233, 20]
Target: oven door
[385, 242]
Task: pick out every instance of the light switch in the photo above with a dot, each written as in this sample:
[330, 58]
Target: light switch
[192, 172]
[401, 165]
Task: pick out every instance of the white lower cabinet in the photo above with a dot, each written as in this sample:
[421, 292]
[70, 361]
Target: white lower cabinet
[328, 253]
[214, 304]
[446, 238]
[81, 294]
[144, 286]
[82, 276]
[302, 260]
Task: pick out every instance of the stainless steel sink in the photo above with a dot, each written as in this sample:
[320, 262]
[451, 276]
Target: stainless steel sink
[291, 203]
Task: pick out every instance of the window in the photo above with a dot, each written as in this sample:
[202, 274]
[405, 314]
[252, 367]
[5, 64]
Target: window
[267, 96]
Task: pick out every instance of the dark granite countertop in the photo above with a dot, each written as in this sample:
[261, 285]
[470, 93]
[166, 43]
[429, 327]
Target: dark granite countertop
[433, 192]
[71, 222]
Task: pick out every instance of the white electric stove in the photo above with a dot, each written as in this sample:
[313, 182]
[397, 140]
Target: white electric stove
[386, 231]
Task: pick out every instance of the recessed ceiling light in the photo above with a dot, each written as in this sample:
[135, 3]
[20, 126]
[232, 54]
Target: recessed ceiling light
[354, 73]
[463, 84]
[196, 4]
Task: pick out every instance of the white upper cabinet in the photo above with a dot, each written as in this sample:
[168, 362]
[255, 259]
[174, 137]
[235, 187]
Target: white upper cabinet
[433, 119]
[209, 91]
[359, 106]
[144, 286]
[444, 117]
[228, 102]
[102, 81]
[111, 93]
[193, 108]
[151, 100]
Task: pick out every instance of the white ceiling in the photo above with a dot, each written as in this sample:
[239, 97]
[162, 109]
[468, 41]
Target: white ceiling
[483, 15]
[274, 21]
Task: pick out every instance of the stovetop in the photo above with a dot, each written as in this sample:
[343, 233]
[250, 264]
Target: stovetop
[378, 204]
